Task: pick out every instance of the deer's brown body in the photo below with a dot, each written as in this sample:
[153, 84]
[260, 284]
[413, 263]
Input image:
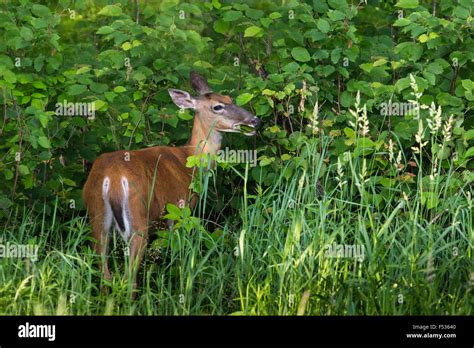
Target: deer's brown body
[128, 190]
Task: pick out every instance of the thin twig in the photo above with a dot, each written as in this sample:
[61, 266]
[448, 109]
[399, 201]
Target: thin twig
[137, 11]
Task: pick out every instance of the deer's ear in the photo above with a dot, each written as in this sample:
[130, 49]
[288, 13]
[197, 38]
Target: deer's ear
[199, 83]
[182, 98]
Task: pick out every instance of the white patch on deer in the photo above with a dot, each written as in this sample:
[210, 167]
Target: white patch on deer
[125, 215]
[107, 208]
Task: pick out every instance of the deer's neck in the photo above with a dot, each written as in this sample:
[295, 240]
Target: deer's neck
[204, 138]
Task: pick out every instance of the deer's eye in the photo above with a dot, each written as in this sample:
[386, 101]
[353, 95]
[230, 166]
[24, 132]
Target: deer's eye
[218, 107]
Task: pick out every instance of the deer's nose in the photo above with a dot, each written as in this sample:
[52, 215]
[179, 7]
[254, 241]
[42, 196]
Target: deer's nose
[256, 122]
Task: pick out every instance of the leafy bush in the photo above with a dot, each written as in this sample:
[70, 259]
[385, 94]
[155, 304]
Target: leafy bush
[278, 60]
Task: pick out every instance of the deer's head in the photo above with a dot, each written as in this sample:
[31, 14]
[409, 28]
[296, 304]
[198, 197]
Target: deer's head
[213, 110]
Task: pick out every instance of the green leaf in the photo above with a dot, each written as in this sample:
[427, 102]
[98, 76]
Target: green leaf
[220, 26]
[231, 16]
[461, 12]
[110, 96]
[300, 54]
[401, 22]
[387, 182]
[435, 68]
[364, 146]
[98, 104]
[185, 116]
[83, 70]
[467, 84]
[172, 121]
[409, 50]
[365, 142]
[44, 142]
[265, 161]
[105, 30]
[338, 4]
[469, 135]
[328, 70]
[351, 136]
[98, 87]
[379, 62]
[111, 11]
[244, 98]
[38, 63]
[291, 67]
[126, 46]
[252, 31]
[335, 55]
[367, 67]
[346, 99]
[203, 64]
[323, 25]
[39, 85]
[217, 234]
[44, 119]
[45, 156]
[407, 3]
[174, 213]
[445, 99]
[274, 15]
[8, 174]
[8, 76]
[429, 199]
[423, 38]
[265, 22]
[254, 14]
[40, 11]
[26, 33]
[6, 62]
[137, 95]
[119, 89]
[336, 15]
[469, 95]
[23, 169]
[402, 84]
[315, 35]
[77, 89]
[5, 202]
[68, 182]
[39, 23]
[469, 153]
[139, 76]
[430, 77]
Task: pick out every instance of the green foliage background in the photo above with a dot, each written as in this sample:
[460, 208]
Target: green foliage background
[123, 56]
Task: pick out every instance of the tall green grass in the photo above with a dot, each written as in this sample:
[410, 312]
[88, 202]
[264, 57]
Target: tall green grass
[273, 262]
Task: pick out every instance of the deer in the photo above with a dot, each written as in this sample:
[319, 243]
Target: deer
[127, 191]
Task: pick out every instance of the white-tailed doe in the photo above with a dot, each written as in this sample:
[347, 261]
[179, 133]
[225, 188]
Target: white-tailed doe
[128, 190]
